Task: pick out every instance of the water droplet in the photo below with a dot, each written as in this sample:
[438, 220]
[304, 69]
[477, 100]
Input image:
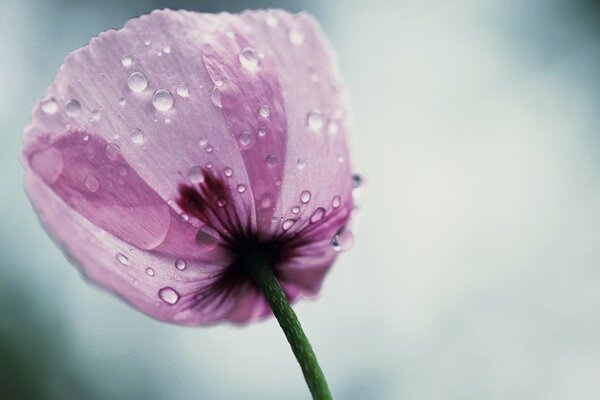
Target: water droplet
[167, 49]
[209, 149]
[122, 258]
[202, 141]
[215, 97]
[295, 210]
[162, 100]
[264, 111]
[122, 101]
[126, 61]
[50, 106]
[219, 83]
[195, 174]
[95, 116]
[147, 42]
[221, 202]
[228, 171]
[241, 188]
[249, 58]
[301, 163]
[266, 201]
[91, 183]
[271, 160]
[288, 224]
[314, 119]
[111, 151]
[296, 37]
[182, 91]
[180, 264]
[343, 240]
[137, 136]
[317, 215]
[246, 140]
[262, 131]
[137, 82]
[207, 238]
[72, 108]
[149, 271]
[168, 295]
[336, 202]
[305, 196]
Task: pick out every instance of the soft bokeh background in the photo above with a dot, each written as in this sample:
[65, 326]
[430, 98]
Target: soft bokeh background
[476, 272]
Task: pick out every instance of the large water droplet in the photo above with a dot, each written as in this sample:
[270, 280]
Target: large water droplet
[296, 37]
[207, 238]
[271, 160]
[317, 215]
[249, 58]
[137, 136]
[111, 151]
[182, 91]
[195, 174]
[91, 183]
[305, 196]
[168, 295]
[162, 100]
[215, 97]
[137, 82]
[264, 111]
[50, 106]
[180, 264]
[314, 119]
[343, 240]
[288, 224]
[122, 258]
[72, 108]
[126, 61]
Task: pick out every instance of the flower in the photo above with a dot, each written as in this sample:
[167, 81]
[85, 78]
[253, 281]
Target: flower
[167, 151]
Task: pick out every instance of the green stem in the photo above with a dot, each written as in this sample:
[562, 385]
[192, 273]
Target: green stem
[260, 269]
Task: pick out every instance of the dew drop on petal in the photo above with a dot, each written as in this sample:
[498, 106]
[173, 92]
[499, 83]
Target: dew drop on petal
[314, 119]
[249, 58]
[246, 140]
[221, 202]
[209, 149]
[295, 210]
[167, 49]
[301, 163]
[266, 201]
[296, 37]
[137, 136]
[72, 108]
[202, 141]
[336, 202]
[262, 131]
[95, 116]
[271, 160]
[180, 264]
[288, 224]
[122, 101]
[305, 196]
[137, 82]
[228, 171]
[168, 295]
[264, 111]
[195, 174]
[162, 100]
[149, 271]
[122, 258]
[182, 91]
[126, 61]
[91, 183]
[207, 238]
[317, 215]
[111, 151]
[215, 97]
[343, 240]
[241, 188]
[50, 106]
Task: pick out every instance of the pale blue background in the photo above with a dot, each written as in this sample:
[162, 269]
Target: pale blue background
[476, 272]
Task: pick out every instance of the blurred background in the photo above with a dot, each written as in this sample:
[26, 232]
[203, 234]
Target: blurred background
[476, 269]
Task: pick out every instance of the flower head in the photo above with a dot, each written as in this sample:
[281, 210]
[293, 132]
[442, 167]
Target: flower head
[167, 151]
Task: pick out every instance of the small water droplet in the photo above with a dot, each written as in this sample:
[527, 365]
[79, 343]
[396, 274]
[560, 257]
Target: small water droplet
[91, 183]
[122, 258]
[266, 201]
[162, 100]
[228, 171]
[137, 82]
[317, 215]
[215, 97]
[195, 174]
[202, 141]
[182, 91]
[221, 202]
[301, 163]
[149, 271]
[337, 201]
[305, 196]
[271, 160]
[296, 37]
[50, 106]
[168, 295]
[207, 238]
[249, 58]
[262, 131]
[264, 111]
[241, 188]
[111, 151]
[219, 83]
[167, 49]
[126, 61]
[209, 148]
[180, 264]
[147, 42]
[314, 119]
[122, 101]
[288, 224]
[246, 140]
[295, 210]
[72, 108]
[209, 165]
[137, 136]
[343, 240]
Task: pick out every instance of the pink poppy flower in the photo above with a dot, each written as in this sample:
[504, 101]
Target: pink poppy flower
[166, 152]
